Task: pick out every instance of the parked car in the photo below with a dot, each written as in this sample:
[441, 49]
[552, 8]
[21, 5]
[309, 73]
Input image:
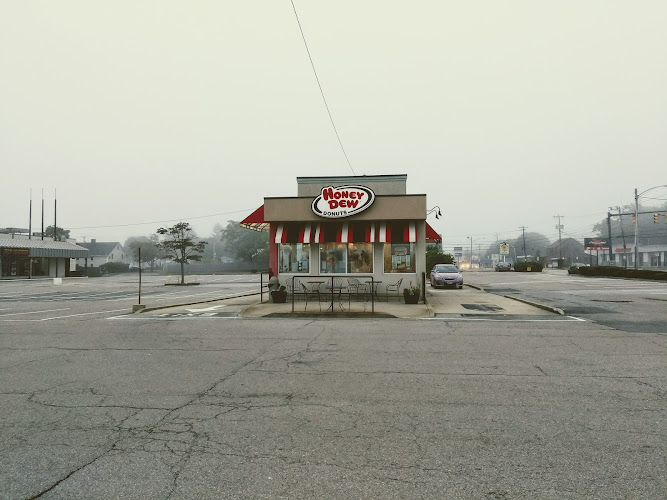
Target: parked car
[574, 268]
[446, 275]
[504, 266]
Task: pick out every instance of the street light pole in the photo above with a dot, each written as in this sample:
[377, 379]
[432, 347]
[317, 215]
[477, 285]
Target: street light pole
[637, 196]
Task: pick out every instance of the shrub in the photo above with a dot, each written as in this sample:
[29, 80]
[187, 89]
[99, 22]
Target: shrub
[621, 272]
[114, 267]
[535, 267]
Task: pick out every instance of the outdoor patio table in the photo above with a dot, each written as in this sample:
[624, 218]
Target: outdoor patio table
[375, 284]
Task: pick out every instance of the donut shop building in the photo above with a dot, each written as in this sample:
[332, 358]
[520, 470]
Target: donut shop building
[347, 226]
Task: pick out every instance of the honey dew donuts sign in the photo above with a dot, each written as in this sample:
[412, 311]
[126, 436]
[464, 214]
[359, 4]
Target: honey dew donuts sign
[342, 201]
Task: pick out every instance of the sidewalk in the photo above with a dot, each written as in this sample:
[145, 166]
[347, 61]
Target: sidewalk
[469, 301]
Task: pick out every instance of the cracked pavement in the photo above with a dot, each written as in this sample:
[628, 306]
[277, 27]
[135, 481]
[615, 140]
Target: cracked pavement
[330, 408]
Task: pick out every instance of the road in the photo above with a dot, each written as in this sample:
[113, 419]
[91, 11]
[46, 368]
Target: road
[623, 304]
[100, 404]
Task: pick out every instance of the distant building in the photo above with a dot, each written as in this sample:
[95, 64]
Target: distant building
[101, 252]
[24, 257]
[571, 250]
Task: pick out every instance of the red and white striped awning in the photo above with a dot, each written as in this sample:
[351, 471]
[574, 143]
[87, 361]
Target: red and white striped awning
[346, 232]
[294, 232]
[341, 232]
[397, 232]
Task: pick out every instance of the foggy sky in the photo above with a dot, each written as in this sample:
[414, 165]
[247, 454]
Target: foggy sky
[504, 113]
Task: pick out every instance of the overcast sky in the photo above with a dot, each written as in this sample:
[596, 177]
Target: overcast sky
[142, 113]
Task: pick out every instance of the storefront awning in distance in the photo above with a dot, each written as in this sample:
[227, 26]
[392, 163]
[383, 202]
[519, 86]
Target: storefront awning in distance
[255, 220]
[42, 248]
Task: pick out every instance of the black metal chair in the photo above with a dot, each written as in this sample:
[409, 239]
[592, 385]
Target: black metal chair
[335, 288]
[296, 291]
[396, 287]
[310, 294]
[317, 293]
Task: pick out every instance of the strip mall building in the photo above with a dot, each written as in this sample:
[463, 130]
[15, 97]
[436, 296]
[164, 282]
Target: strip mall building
[347, 226]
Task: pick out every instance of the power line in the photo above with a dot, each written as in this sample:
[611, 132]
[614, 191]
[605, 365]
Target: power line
[320, 86]
[161, 221]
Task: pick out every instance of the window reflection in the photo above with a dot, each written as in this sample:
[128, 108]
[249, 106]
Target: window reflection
[399, 257]
[294, 258]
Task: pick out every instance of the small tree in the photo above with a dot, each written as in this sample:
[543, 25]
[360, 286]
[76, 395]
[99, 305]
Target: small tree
[246, 245]
[435, 256]
[61, 234]
[179, 245]
[149, 249]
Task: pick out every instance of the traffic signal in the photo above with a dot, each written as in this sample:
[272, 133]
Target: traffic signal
[656, 218]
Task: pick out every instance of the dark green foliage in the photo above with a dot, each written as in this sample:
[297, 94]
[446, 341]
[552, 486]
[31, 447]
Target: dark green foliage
[114, 268]
[622, 272]
[149, 248]
[435, 256]
[245, 244]
[535, 267]
[179, 245]
[61, 234]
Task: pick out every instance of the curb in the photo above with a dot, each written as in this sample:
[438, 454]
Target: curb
[476, 287]
[537, 304]
[148, 309]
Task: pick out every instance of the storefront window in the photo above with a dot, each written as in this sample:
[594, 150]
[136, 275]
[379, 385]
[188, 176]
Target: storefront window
[40, 267]
[360, 258]
[333, 258]
[15, 266]
[399, 257]
[294, 258]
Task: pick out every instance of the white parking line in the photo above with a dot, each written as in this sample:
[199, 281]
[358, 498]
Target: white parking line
[491, 318]
[36, 312]
[66, 316]
[178, 318]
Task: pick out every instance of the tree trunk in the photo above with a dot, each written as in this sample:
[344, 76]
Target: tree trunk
[182, 273]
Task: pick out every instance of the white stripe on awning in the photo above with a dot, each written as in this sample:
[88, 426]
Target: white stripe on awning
[279, 233]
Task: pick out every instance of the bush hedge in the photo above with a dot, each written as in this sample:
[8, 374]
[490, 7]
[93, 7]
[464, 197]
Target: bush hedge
[622, 272]
[114, 267]
[522, 267]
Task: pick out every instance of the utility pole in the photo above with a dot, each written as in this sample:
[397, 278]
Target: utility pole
[636, 219]
[620, 221]
[560, 242]
[523, 229]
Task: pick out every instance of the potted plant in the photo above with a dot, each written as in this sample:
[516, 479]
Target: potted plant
[411, 294]
[279, 296]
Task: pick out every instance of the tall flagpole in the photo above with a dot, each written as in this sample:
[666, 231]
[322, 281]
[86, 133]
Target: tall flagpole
[55, 214]
[42, 213]
[30, 216]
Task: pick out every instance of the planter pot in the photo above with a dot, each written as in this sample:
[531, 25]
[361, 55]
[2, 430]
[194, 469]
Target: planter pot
[279, 296]
[410, 299]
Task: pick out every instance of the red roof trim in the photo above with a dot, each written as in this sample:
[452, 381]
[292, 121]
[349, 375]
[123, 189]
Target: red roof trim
[255, 220]
[431, 235]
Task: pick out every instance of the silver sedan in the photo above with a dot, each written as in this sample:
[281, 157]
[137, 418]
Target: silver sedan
[446, 275]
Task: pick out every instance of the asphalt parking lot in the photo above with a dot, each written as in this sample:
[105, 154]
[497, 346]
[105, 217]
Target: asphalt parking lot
[499, 404]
